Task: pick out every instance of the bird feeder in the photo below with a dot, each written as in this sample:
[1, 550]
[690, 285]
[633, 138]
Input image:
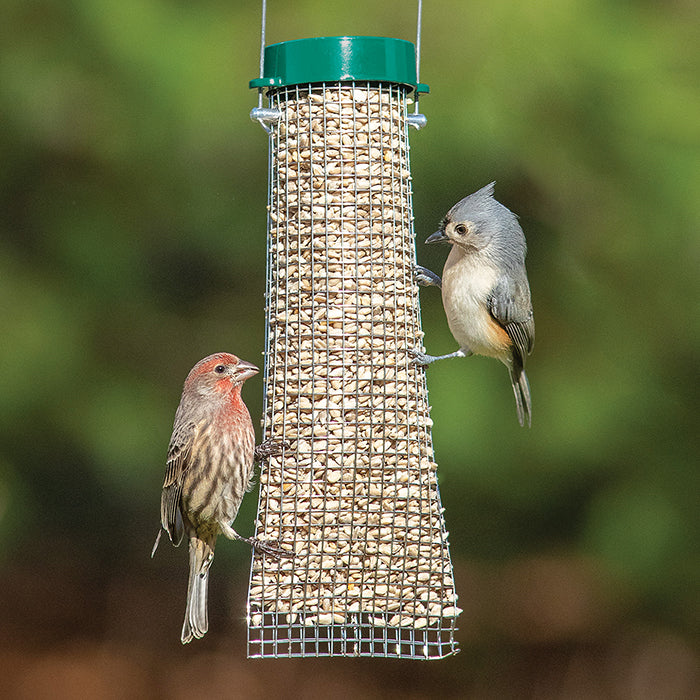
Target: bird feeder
[353, 497]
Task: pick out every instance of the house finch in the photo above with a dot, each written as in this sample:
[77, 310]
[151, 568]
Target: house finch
[485, 290]
[209, 468]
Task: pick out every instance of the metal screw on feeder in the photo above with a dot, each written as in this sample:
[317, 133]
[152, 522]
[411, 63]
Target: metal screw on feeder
[353, 497]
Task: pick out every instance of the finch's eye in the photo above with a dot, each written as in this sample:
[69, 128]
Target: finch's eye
[461, 229]
[220, 369]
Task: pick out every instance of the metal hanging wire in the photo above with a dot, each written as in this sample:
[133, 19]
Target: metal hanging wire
[264, 116]
[419, 26]
[263, 22]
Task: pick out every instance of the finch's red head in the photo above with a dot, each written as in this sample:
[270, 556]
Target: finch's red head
[219, 372]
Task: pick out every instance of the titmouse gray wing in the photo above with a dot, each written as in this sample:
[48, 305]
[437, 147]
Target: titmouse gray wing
[510, 305]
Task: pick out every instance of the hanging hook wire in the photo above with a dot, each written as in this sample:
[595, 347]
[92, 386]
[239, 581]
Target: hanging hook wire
[418, 32]
[262, 50]
[261, 114]
[417, 120]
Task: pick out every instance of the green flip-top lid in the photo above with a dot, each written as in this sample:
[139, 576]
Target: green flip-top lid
[340, 58]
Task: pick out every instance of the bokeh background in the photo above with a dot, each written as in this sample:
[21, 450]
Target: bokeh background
[132, 243]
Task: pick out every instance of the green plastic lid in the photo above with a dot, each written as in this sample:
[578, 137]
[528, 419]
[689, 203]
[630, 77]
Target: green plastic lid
[332, 59]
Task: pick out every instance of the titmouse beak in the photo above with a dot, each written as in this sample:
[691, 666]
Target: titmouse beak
[437, 237]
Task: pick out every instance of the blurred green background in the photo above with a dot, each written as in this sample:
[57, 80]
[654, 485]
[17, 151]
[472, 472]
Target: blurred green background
[132, 243]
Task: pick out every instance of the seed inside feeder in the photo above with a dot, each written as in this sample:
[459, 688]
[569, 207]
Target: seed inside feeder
[354, 495]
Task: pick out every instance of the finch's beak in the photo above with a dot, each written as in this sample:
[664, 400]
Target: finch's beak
[437, 237]
[245, 370]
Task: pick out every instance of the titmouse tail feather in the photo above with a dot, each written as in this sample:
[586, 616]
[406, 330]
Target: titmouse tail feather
[196, 620]
[521, 389]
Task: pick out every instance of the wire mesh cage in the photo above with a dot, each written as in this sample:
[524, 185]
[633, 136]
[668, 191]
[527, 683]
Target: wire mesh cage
[353, 497]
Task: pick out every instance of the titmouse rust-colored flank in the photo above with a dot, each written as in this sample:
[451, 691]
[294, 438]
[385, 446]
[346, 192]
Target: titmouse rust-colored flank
[485, 290]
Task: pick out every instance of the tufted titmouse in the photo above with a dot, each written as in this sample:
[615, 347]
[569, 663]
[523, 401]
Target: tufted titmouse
[485, 290]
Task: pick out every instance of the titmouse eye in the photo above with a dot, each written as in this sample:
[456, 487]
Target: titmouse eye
[220, 369]
[461, 229]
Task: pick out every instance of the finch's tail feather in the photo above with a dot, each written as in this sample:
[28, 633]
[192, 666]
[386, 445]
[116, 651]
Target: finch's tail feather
[196, 620]
[521, 389]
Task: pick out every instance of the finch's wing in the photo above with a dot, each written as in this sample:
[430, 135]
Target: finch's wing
[176, 465]
[510, 305]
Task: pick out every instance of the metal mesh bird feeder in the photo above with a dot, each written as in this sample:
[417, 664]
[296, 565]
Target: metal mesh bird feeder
[353, 497]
